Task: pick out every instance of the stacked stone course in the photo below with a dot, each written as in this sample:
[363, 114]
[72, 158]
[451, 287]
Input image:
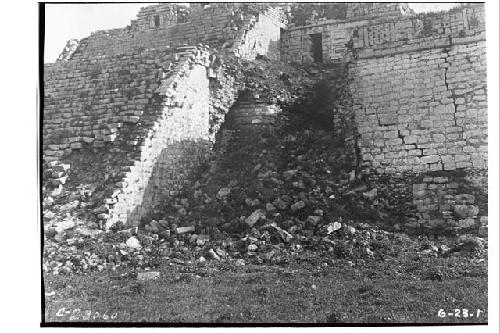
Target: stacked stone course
[227, 26]
[146, 107]
[144, 111]
[424, 111]
[254, 114]
[163, 124]
[381, 35]
[359, 10]
[418, 87]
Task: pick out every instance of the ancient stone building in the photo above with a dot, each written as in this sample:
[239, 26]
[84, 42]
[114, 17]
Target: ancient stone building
[130, 114]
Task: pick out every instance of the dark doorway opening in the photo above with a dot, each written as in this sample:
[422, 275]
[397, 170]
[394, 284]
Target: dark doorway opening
[317, 47]
[157, 21]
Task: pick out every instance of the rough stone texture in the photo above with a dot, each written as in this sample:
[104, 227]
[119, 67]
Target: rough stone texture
[418, 87]
[135, 111]
[423, 111]
[251, 114]
[380, 35]
[125, 102]
[178, 146]
[152, 131]
[447, 201]
[363, 10]
[228, 26]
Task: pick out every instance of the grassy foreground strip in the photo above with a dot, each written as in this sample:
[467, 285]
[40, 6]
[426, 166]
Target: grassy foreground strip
[309, 290]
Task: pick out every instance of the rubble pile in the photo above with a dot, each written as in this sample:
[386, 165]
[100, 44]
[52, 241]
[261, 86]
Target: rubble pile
[55, 176]
[271, 80]
[268, 197]
[332, 160]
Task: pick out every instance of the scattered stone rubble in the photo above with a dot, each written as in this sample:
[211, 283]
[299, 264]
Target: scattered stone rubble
[265, 201]
[134, 178]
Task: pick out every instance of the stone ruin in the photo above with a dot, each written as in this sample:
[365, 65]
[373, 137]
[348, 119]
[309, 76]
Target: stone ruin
[130, 115]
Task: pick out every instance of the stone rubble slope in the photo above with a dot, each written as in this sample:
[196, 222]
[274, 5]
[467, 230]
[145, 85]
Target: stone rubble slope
[266, 196]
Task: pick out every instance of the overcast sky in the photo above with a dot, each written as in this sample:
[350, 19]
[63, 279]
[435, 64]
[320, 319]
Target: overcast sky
[66, 21]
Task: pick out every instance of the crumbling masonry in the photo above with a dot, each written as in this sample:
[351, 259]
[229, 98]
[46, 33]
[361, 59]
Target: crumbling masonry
[130, 114]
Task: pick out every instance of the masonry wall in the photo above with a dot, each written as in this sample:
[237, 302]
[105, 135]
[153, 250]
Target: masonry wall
[420, 106]
[246, 30]
[251, 113]
[418, 88]
[381, 33]
[377, 9]
[88, 102]
[141, 107]
[261, 37]
[422, 109]
[176, 147]
[141, 119]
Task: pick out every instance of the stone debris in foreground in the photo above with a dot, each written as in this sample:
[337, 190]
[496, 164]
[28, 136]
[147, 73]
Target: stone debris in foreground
[333, 148]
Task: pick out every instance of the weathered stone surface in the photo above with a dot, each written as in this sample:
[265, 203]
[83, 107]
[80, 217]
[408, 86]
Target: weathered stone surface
[135, 114]
[466, 223]
[312, 221]
[183, 230]
[298, 206]
[334, 227]
[223, 192]
[254, 217]
[133, 243]
[464, 211]
[64, 225]
[146, 276]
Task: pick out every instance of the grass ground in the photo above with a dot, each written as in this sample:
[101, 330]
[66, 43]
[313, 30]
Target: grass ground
[308, 290]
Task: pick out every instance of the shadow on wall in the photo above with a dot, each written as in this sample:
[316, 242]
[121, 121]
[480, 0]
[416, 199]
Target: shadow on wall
[273, 50]
[317, 111]
[173, 170]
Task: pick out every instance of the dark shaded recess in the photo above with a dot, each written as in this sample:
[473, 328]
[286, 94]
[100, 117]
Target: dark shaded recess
[317, 111]
[317, 47]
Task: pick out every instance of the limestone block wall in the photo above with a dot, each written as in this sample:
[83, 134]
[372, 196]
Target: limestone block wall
[87, 102]
[418, 88]
[296, 43]
[423, 111]
[161, 16]
[261, 36]
[420, 105]
[419, 32]
[253, 114]
[177, 145]
[133, 130]
[451, 201]
[232, 26]
[357, 10]
[379, 35]
[144, 113]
